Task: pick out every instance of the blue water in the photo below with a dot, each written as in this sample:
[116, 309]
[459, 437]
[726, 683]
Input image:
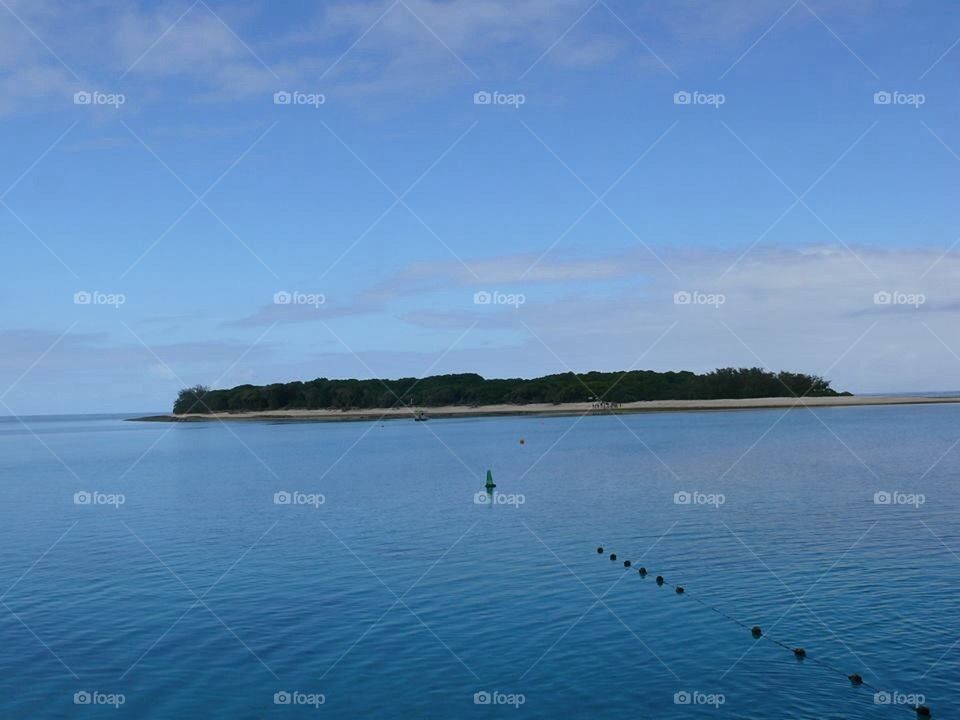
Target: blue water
[399, 596]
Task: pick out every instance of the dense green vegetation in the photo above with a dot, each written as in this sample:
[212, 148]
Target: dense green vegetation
[472, 389]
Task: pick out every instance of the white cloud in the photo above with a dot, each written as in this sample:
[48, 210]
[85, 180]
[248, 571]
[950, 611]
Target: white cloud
[809, 309]
[799, 309]
[393, 50]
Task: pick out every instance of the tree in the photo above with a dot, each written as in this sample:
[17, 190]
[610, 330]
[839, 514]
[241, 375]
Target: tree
[192, 400]
[471, 389]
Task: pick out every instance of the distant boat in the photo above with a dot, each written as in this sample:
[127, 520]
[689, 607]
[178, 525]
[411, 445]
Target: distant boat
[420, 416]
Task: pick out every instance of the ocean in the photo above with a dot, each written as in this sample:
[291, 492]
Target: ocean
[344, 570]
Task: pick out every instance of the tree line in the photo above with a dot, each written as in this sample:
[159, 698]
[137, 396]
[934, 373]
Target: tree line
[470, 389]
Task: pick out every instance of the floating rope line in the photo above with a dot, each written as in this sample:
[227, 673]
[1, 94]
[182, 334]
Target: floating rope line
[758, 634]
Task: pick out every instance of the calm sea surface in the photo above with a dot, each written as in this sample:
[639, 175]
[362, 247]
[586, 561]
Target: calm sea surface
[178, 586]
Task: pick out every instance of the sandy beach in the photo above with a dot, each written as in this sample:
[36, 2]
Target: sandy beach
[547, 409]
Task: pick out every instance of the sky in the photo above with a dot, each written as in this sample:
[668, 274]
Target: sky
[253, 192]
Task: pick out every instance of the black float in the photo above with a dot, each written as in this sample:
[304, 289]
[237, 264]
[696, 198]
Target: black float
[799, 653]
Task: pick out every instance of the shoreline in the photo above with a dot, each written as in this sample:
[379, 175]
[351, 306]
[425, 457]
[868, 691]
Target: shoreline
[551, 410]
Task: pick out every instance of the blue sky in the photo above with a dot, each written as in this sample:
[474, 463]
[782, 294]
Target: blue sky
[596, 200]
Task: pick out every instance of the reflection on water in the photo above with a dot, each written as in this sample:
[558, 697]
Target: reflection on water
[413, 590]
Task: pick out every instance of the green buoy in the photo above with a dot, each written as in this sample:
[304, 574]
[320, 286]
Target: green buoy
[490, 483]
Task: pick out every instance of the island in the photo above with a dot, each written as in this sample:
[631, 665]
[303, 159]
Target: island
[470, 394]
